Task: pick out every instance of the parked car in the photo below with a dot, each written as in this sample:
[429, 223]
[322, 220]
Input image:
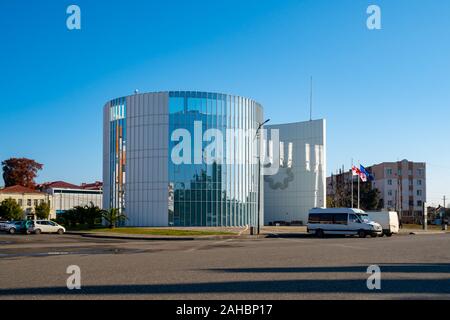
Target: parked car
[17, 227]
[46, 226]
[3, 225]
[341, 221]
[387, 219]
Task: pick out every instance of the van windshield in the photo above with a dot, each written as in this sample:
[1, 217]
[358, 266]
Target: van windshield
[363, 217]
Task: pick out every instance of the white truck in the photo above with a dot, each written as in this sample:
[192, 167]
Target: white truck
[387, 219]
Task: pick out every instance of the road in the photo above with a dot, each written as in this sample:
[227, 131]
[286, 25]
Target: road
[413, 267]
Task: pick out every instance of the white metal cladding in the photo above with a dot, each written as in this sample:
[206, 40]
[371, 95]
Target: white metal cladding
[290, 194]
[146, 194]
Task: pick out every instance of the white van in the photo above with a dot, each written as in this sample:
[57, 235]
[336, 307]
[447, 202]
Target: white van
[341, 221]
[387, 219]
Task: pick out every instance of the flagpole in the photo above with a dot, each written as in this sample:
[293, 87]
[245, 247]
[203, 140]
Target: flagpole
[359, 207]
[351, 175]
[359, 189]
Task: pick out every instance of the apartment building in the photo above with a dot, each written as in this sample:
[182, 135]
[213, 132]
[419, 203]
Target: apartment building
[403, 187]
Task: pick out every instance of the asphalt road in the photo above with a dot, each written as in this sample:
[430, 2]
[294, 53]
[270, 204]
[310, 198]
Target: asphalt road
[412, 267]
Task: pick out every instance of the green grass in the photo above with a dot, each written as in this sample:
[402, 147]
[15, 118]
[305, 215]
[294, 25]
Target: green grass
[161, 232]
[81, 227]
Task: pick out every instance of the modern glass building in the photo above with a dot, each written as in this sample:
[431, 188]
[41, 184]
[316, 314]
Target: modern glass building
[159, 169]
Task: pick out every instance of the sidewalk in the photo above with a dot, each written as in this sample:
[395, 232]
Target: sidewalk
[119, 236]
[421, 232]
[240, 233]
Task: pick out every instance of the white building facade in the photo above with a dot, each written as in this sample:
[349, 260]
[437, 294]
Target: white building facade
[66, 196]
[300, 184]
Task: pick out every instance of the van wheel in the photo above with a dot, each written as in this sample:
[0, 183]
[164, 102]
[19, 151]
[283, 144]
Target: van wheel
[37, 231]
[319, 233]
[362, 234]
[389, 234]
[12, 231]
[60, 231]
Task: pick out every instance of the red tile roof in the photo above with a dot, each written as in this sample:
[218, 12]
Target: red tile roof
[59, 184]
[18, 189]
[92, 186]
[65, 185]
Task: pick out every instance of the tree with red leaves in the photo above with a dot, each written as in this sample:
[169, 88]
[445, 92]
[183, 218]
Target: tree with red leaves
[20, 172]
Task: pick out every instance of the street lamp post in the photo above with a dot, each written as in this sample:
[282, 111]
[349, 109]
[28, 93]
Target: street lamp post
[259, 176]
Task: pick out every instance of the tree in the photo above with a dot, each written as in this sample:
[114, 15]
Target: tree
[10, 210]
[20, 172]
[42, 210]
[93, 214]
[113, 217]
[370, 197]
[331, 202]
[69, 218]
[342, 198]
[88, 214]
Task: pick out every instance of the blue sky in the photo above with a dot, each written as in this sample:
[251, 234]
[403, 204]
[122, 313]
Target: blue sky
[384, 93]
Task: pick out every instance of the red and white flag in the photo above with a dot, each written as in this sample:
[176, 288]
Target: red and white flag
[357, 172]
[363, 176]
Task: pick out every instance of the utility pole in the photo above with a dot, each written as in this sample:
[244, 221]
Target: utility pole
[400, 193]
[425, 216]
[444, 220]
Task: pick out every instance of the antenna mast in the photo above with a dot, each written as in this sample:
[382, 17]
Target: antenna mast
[311, 100]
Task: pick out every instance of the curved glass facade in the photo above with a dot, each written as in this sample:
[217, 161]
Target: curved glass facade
[143, 179]
[222, 192]
[118, 138]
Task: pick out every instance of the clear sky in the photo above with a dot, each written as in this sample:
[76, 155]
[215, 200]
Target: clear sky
[385, 93]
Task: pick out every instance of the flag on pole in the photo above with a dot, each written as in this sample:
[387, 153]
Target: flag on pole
[363, 176]
[357, 172]
[367, 173]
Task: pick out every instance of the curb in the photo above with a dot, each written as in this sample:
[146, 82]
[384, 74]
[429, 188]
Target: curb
[426, 233]
[164, 238]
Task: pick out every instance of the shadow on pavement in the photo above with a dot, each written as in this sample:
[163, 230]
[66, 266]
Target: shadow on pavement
[391, 286]
[388, 268]
[289, 235]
